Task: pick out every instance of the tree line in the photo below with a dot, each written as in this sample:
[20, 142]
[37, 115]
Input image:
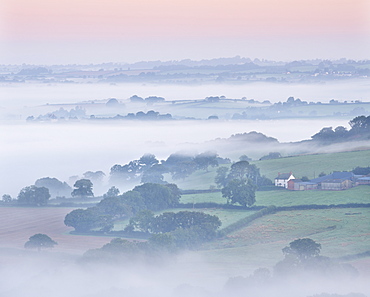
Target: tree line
[360, 127]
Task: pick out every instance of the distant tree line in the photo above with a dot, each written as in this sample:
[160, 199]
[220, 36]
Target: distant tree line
[148, 169]
[360, 129]
[151, 115]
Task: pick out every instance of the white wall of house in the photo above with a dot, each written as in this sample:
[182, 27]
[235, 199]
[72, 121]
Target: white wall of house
[283, 182]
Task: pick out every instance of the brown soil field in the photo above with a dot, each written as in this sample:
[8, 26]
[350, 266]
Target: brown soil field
[17, 224]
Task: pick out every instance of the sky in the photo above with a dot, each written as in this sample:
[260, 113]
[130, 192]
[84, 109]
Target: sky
[94, 31]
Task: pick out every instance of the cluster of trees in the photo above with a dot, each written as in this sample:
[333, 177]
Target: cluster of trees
[303, 255]
[40, 241]
[39, 194]
[187, 228]
[119, 250]
[61, 114]
[148, 196]
[148, 100]
[35, 196]
[361, 170]
[140, 115]
[360, 126]
[149, 170]
[302, 260]
[56, 187]
[271, 156]
[240, 182]
[169, 232]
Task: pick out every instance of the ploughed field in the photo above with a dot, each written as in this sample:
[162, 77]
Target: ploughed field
[17, 224]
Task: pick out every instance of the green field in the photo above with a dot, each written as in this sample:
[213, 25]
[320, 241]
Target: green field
[304, 165]
[312, 165]
[360, 194]
[339, 231]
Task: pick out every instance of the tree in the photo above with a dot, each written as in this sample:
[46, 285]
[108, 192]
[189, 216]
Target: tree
[303, 255]
[180, 165]
[55, 186]
[239, 170]
[136, 98]
[39, 241]
[154, 174]
[270, 156]
[221, 176]
[206, 159]
[134, 200]
[32, 195]
[157, 197]
[304, 178]
[96, 177]
[304, 248]
[83, 220]
[360, 124]
[148, 160]
[112, 192]
[240, 191]
[112, 102]
[244, 158]
[113, 206]
[326, 134]
[7, 198]
[128, 172]
[143, 221]
[83, 188]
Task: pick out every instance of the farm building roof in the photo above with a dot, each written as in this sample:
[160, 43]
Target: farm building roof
[283, 176]
[333, 181]
[335, 175]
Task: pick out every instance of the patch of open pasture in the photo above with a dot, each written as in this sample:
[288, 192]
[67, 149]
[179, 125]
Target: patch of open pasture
[340, 232]
[312, 165]
[359, 194]
[17, 224]
[199, 180]
[242, 260]
[215, 197]
[329, 109]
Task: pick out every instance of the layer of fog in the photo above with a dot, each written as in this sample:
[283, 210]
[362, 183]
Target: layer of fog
[48, 274]
[34, 150]
[27, 94]
[30, 151]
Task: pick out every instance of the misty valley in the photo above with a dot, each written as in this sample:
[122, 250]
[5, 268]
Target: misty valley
[221, 177]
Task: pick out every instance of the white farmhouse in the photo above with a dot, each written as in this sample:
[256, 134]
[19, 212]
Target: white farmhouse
[282, 179]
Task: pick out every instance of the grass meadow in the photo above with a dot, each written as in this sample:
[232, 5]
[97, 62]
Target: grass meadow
[312, 165]
[339, 231]
[360, 194]
[303, 165]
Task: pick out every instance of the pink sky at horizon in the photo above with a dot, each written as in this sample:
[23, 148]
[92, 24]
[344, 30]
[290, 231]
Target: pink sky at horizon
[244, 23]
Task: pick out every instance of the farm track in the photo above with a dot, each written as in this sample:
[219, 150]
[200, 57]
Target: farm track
[17, 224]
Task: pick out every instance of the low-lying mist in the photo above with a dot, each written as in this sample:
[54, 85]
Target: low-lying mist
[31, 151]
[45, 274]
[27, 94]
